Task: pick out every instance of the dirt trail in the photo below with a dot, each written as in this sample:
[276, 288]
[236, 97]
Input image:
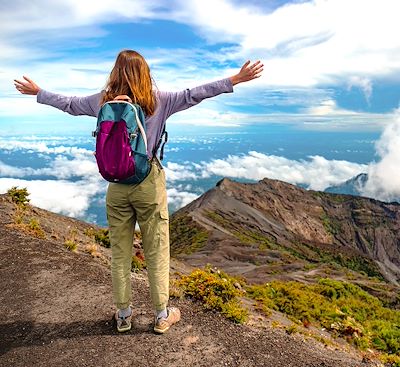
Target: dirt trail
[55, 310]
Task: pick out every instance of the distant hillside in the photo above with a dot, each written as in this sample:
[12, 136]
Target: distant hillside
[353, 186]
[274, 230]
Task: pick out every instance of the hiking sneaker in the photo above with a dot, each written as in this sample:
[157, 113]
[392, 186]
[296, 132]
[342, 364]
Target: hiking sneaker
[123, 323]
[162, 325]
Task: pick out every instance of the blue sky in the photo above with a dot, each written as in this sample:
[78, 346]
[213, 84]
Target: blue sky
[331, 66]
[325, 60]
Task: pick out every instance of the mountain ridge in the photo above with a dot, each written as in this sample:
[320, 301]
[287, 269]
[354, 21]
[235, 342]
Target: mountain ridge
[244, 223]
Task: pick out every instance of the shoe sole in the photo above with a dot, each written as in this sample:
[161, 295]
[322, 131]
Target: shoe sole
[161, 331]
[122, 330]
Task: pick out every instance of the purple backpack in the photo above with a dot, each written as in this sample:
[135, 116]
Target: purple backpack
[121, 142]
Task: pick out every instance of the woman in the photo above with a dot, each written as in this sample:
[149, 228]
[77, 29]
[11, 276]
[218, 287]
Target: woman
[145, 202]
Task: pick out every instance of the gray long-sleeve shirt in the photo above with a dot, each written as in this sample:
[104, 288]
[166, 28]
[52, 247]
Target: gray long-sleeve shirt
[167, 103]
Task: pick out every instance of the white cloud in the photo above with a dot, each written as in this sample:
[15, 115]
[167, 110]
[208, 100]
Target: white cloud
[177, 172]
[204, 116]
[316, 172]
[307, 43]
[328, 107]
[58, 195]
[48, 145]
[179, 199]
[64, 197]
[364, 84]
[383, 176]
[12, 171]
[302, 43]
[69, 14]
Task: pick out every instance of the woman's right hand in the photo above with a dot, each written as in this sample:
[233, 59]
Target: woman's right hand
[27, 87]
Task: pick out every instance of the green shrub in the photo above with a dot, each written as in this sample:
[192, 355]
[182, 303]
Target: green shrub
[342, 308]
[359, 264]
[19, 196]
[137, 264]
[101, 236]
[35, 228]
[216, 291]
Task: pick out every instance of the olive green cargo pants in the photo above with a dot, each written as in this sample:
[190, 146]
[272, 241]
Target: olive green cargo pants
[145, 203]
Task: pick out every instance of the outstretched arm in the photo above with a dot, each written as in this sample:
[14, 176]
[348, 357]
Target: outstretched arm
[178, 101]
[89, 105]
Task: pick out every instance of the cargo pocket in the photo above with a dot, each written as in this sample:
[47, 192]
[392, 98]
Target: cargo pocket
[164, 214]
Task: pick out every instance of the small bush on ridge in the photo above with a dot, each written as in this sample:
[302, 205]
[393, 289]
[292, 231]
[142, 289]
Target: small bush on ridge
[216, 291]
[19, 196]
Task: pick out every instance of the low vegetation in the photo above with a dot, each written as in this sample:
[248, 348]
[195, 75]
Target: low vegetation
[19, 196]
[92, 250]
[101, 236]
[301, 251]
[244, 235]
[359, 264]
[216, 291]
[23, 218]
[138, 263]
[33, 226]
[71, 245]
[331, 225]
[342, 308]
[186, 236]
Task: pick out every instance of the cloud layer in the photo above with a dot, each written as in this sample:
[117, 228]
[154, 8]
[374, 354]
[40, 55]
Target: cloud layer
[72, 180]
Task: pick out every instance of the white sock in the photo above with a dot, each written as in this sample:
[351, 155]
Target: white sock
[124, 313]
[163, 314]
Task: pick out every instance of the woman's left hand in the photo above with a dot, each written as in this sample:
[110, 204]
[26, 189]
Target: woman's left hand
[248, 72]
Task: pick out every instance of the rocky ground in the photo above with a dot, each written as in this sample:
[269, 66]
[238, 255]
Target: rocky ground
[55, 310]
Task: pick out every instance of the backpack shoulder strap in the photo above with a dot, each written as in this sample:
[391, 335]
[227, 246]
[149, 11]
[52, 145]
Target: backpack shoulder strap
[164, 135]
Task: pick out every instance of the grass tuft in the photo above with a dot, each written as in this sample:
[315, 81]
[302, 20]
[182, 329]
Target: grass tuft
[71, 245]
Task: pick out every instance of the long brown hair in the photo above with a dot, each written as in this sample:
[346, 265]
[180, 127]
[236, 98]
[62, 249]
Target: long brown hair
[131, 76]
